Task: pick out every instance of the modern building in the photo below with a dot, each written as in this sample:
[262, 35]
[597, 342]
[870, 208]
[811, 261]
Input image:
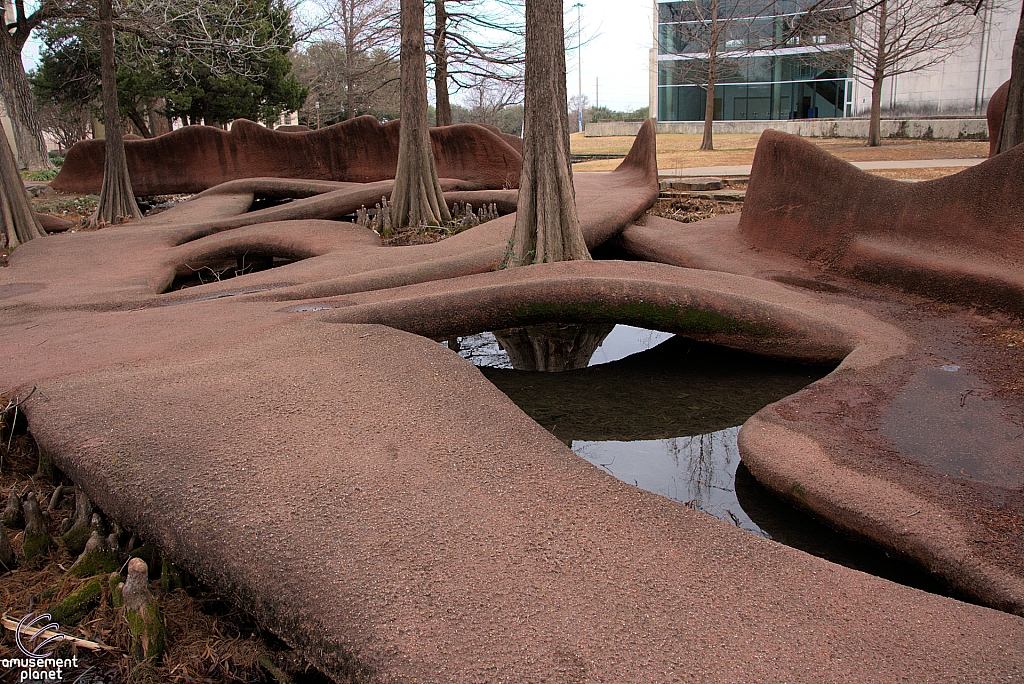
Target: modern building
[780, 65]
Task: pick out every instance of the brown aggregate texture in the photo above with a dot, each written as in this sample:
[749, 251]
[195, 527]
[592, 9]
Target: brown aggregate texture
[994, 115]
[958, 238]
[371, 498]
[361, 150]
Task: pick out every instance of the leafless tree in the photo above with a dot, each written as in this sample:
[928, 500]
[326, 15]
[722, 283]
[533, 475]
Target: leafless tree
[712, 38]
[473, 40]
[487, 98]
[417, 198]
[581, 106]
[340, 88]
[894, 37]
[709, 36]
[66, 124]
[547, 226]
[353, 57]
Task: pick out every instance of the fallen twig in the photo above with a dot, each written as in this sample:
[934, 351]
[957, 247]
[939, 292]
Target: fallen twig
[31, 632]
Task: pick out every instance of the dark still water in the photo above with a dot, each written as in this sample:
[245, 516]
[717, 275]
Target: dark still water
[662, 412]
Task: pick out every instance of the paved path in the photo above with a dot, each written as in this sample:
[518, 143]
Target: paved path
[864, 165]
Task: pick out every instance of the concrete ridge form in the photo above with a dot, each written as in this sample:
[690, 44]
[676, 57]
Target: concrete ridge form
[296, 437]
[195, 158]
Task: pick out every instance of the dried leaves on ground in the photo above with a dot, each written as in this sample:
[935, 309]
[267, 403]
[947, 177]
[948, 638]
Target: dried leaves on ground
[209, 639]
[690, 210]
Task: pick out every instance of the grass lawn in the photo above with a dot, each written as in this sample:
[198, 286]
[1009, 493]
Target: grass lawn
[680, 151]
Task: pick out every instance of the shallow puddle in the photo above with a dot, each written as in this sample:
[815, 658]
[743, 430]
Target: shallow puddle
[663, 412]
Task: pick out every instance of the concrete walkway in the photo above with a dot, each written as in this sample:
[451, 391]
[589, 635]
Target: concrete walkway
[863, 165]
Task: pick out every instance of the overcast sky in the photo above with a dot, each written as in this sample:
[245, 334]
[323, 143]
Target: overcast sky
[616, 54]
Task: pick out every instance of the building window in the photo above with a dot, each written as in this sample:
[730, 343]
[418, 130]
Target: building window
[763, 70]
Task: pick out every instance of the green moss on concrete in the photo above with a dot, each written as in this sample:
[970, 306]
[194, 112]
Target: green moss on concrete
[116, 583]
[75, 607]
[36, 545]
[798, 491]
[673, 318]
[101, 562]
[75, 539]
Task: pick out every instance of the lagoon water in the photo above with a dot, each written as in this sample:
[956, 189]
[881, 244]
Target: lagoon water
[662, 412]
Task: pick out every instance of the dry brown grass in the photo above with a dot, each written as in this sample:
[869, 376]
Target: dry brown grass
[918, 174]
[680, 151]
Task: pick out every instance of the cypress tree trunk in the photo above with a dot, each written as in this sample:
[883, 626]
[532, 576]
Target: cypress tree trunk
[547, 227]
[158, 123]
[140, 123]
[707, 144]
[350, 69]
[19, 221]
[20, 105]
[117, 201]
[443, 106]
[417, 199]
[877, 77]
[1012, 132]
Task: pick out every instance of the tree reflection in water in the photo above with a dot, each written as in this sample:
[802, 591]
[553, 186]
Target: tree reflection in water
[666, 419]
[552, 347]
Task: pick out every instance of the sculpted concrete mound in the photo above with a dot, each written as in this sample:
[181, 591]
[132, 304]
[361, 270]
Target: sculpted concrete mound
[994, 114]
[294, 437]
[361, 150]
[957, 238]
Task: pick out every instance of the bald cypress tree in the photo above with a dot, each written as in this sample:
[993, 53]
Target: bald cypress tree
[547, 227]
[417, 199]
[117, 201]
[19, 222]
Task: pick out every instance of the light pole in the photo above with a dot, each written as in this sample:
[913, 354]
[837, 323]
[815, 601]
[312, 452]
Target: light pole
[317, 115]
[579, 58]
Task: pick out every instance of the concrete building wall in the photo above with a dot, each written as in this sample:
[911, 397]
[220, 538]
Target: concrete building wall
[960, 85]
[963, 83]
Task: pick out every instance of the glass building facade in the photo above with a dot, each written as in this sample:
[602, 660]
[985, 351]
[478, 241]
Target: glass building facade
[771, 64]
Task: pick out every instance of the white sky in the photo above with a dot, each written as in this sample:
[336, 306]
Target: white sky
[616, 55]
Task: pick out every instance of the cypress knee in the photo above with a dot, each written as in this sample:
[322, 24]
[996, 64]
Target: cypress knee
[143, 613]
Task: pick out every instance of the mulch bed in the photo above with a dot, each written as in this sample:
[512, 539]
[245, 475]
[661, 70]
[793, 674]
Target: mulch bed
[209, 640]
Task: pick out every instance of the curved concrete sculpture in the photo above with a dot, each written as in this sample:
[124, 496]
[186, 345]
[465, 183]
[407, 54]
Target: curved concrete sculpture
[360, 150]
[371, 498]
[994, 115]
[957, 238]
